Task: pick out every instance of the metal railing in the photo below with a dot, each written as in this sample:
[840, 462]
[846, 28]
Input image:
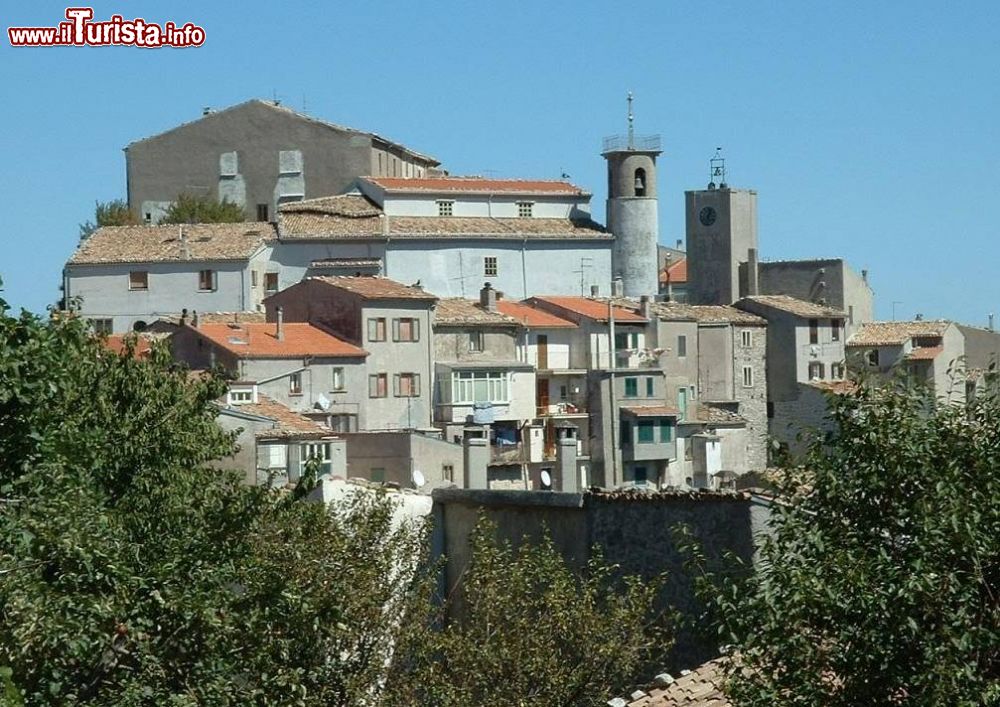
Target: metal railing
[620, 143]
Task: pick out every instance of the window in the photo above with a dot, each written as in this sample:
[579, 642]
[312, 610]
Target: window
[406, 385]
[148, 217]
[262, 212]
[682, 346]
[253, 278]
[835, 325]
[102, 326]
[631, 387]
[448, 472]
[646, 430]
[295, 384]
[524, 209]
[815, 370]
[746, 338]
[626, 340]
[649, 386]
[666, 431]
[479, 387]
[138, 280]
[206, 280]
[814, 331]
[378, 384]
[625, 433]
[837, 371]
[446, 208]
[343, 423]
[320, 452]
[490, 268]
[475, 341]
[376, 329]
[872, 357]
[338, 378]
[270, 282]
[239, 397]
[770, 410]
[406, 329]
[639, 475]
[748, 376]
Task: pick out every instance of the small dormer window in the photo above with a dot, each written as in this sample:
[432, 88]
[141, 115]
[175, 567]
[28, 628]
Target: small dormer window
[241, 396]
[445, 208]
[524, 209]
[640, 182]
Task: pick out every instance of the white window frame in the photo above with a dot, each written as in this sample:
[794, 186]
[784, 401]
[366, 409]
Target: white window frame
[525, 209]
[446, 207]
[337, 379]
[241, 396]
[294, 389]
[494, 384]
[213, 281]
[476, 341]
[746, 338]
[491, 266]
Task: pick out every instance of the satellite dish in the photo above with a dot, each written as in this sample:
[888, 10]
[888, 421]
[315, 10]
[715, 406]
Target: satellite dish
[546, 478]
[418, 478]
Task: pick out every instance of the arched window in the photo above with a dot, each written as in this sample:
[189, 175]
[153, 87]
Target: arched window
[640, 182]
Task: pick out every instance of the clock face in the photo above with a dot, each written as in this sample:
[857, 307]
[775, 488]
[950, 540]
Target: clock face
[707, 216]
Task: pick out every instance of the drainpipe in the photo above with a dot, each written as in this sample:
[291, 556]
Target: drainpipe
[524, 275]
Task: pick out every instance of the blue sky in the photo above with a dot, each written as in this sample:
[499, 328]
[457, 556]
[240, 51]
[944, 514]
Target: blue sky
[869, 130]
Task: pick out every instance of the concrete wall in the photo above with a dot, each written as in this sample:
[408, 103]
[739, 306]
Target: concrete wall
[238, 153]
[831, 281]
[394, 456]
[451, 343]
[635, 223]
[715, 251]
[636, 533]
[567, 348]
[104, 290]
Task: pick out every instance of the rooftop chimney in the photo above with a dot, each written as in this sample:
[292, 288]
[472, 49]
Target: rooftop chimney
[864, 276]
[488, 298]
[207, 110]
[919, 317]
[595, 290]
[644, 308]
[476, 456]
[752, 272]
[991, 321]
[279, 332]
[182, 237]
[566, 457]
[184, 316]
[617, 286]
[680, 244]
[195, 320]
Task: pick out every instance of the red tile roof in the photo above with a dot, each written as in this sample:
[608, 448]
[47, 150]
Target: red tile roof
[532, 316]
[288, 424]
[476, 185]
[924, 353]
[677, 273]
[260, 341]
[116, 343]
[591, 309]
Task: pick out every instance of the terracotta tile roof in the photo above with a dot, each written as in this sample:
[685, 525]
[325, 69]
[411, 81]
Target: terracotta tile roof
[308, 118]
[288, 423]
[152, 244]
[500, 228]
[346, 263]
[454, 311]
[594, 309]
[260, 341]
[895, 333]
[715, 415]
[924, 353]
[652, 410]
[374, 288]
[842, 387]
[476, 185]
[143, 345]
[676, 273]
[795, 306]
[533, 317]
[330, 217]
[701, 687]
[706, 313]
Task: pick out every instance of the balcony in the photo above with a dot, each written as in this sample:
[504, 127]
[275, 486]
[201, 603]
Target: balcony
[564, 407]
[636, 358]
[501, 454]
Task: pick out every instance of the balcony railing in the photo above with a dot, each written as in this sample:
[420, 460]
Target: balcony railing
[507, 453]
[620, 143]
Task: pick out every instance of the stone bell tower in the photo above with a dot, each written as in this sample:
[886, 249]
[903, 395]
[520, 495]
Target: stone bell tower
[633, 217]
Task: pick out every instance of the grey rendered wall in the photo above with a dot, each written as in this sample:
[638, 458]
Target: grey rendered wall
[245, 459]
[982, 346]
[104, 290]
[716, 251]
[292, 258]
[635, 533]
[451, 344]
[187, 159]
[398, 454]
[831, 281]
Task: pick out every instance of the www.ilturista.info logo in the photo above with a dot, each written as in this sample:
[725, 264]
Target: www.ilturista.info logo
[80, 31]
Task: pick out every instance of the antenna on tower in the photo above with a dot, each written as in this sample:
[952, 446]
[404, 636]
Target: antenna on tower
[717, 168]
[631, 121]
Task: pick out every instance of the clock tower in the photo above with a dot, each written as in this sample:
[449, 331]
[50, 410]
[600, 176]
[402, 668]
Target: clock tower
[633, 217]
[721, 235]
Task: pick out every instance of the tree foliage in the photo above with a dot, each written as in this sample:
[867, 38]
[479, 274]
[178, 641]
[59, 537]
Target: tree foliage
[108, 213]
[189, 208]
[880, 583]
[132, 573]
[530, 631]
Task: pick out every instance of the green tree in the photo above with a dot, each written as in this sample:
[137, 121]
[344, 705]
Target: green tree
[189, 208]
[108, 213]
[533, 632]
[133, 574]
[880, 584]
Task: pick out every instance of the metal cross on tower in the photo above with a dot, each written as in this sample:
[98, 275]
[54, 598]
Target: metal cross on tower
[631, 120]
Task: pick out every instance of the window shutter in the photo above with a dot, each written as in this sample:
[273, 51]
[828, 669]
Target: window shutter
[415, 388]
[395, 384]
[395, 330]
[416, 329]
